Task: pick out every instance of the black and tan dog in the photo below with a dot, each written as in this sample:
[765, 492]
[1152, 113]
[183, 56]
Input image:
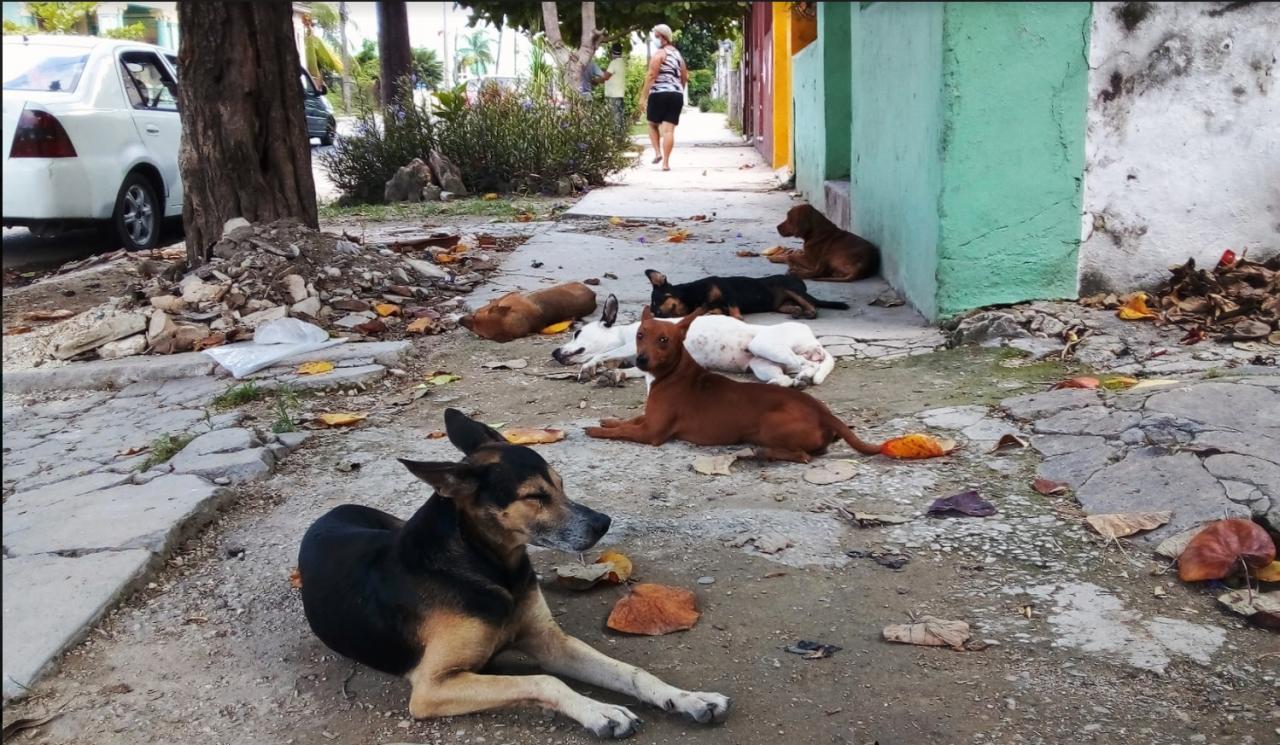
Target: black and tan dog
[733, 296]
[435, 598]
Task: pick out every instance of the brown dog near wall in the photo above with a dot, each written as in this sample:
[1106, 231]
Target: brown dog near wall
[688, 403]
[515, 314]
[829, 253]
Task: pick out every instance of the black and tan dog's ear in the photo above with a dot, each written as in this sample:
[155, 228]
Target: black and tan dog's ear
[452, 480]
[610, 314]
[467, 434]
[656, 277]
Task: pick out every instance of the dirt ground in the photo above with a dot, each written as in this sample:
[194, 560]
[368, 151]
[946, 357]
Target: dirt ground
[216, 649]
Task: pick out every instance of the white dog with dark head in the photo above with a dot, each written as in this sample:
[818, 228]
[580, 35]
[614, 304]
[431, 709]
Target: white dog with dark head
[786, 354]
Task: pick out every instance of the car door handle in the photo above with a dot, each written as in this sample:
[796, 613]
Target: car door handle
[153, 129]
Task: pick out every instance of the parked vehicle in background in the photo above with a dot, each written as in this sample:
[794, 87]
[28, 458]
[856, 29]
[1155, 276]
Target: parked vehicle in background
[91, 135]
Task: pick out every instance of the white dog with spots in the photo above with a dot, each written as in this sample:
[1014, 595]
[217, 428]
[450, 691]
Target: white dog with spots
[786, 354]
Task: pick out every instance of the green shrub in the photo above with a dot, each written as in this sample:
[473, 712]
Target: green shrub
[361, 164]
[699, 86]
[716, 105]
[631, 104]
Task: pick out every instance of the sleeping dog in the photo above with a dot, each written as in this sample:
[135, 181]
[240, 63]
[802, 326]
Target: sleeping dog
[435, 598]
[787, 354]
[733, 296]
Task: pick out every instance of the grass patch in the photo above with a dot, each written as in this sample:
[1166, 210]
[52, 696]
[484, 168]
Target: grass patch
[286, 407]
[163, 448]
[237, 395]
[475, 207]
[639, 129]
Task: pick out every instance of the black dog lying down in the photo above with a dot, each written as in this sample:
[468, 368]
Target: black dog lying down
[734, 296]
[434, 598]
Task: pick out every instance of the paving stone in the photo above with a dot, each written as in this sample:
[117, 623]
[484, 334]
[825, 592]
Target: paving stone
[1091, 420]
[292, 440]
[149, 516]
[1077, 466]
[1051, 445]
[341, 377]
[238, 466]
[36, 498]
[1246, 408]
[1257, 445]
[190, 390]
[51, 601]
[953, 417]
[134, 390]
[101, 374]
[221, 441]
[1147, 482]
[66, 469]
[1260, 473]
[989, 429]
[1046, 403]
[67, 407]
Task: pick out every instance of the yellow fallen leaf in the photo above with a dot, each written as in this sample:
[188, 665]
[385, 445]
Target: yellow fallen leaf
[446, 258]
[679, 235]
[533, 436]
[1269, 573]
[1135, 308]
[1119, 382]
[615, 221]
[319, 367]
[524, 217]
[916, 445]
[420, 326]
[341, 419]
[621, 570]
[556, 328]
[386, 309]
[1154, 383]
[770, 251]
[490, 197]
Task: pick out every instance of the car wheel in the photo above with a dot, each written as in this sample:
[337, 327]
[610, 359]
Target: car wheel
[137, 218]
[330, 133]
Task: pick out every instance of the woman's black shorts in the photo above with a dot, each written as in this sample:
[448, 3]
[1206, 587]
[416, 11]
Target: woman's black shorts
[665, 106]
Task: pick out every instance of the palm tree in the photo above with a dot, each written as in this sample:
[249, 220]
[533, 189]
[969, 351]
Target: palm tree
[473, 53]
[427, 68]
[320, 57]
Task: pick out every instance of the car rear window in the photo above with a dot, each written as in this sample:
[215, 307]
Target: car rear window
[42, 67]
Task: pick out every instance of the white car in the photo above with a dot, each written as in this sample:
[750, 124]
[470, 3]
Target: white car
[91, 135]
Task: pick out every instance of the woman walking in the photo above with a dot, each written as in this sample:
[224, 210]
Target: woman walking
[663, 95]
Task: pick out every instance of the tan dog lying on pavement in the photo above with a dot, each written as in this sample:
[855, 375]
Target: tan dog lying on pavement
[515, 315]
[688, 403]
[829, 253]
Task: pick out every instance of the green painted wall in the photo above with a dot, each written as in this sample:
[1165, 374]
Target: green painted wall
[833, 35]
[1014, 92]
[810, 146]
[895, 140]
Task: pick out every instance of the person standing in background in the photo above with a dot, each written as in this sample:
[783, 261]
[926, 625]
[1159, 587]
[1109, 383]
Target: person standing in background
[615, 84]
[663, 95]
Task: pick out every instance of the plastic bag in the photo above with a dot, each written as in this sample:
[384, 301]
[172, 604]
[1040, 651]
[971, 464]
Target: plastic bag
[272, 342]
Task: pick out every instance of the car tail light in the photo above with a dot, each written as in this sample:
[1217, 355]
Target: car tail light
[40, 135]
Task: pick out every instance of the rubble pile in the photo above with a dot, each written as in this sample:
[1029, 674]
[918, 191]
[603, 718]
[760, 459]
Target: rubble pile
[259, 273]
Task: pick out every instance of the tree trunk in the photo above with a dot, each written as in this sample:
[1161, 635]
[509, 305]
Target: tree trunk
[346, 59]
[571, 60]
[245, 151]
[393, 48]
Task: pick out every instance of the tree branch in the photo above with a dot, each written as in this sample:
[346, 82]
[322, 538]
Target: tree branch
[551, 25]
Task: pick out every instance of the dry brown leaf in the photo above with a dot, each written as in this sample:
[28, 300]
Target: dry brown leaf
[1049, 488]
[1223, 548]
[621, 566]
[581, 576]
[318, 367]
[770, 251]
[714, 465]
[295, 578]
[48, 315]
[1084, 381]
[447, 258]
[747, 254]
[653, 610]
[830, 472]
[1173, 546]
[1135, 308]
[341, 419]
[1120, 524]
[679, 235]
[16, 330]
[436, 435]
[386, 309]
[1010, 441]
[524, 217]
[929, 632]
[533, 436]
[916, 445]
[420, 326]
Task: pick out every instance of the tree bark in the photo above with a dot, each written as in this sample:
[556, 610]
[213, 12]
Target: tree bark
[346, 59]
[572, 60]
[245, 151]
[393, 48]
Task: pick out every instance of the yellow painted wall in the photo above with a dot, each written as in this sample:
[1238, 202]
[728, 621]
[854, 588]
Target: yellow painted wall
[781, 85]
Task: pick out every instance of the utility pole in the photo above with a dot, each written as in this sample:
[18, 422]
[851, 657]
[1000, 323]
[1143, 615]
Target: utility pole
[346, 59]
[444, 34]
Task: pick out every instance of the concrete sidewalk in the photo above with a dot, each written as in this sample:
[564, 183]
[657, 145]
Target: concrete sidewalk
[713, 174]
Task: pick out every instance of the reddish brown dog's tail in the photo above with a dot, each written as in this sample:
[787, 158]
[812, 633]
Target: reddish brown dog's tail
[848, 436]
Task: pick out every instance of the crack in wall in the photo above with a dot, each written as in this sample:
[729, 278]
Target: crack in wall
[1023, 221]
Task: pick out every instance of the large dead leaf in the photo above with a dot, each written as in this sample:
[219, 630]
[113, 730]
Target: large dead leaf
[342, 419]
[1261, 608]
[1084, 381]
[48, 315]
[533, 436]
[517, 364]
[440, 377]
[581, 576]
[1225, 547]
[1049, 488]
[420, 325]
[318, 367]
[386, 309]
[620, 566]
[1173, 546]
[1135, 308]
[916, 445]
[1010, 441]
[1120, 524]
[929, 632]
[965, 503]
[830, 472]
[714, 465]
[653, 610]
[557, 328]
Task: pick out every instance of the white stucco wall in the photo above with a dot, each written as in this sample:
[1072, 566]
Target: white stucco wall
[1182, 154]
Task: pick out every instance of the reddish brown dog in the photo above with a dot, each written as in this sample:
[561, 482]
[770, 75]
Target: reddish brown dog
[829, 253]
[515, 315]
[688, 403]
